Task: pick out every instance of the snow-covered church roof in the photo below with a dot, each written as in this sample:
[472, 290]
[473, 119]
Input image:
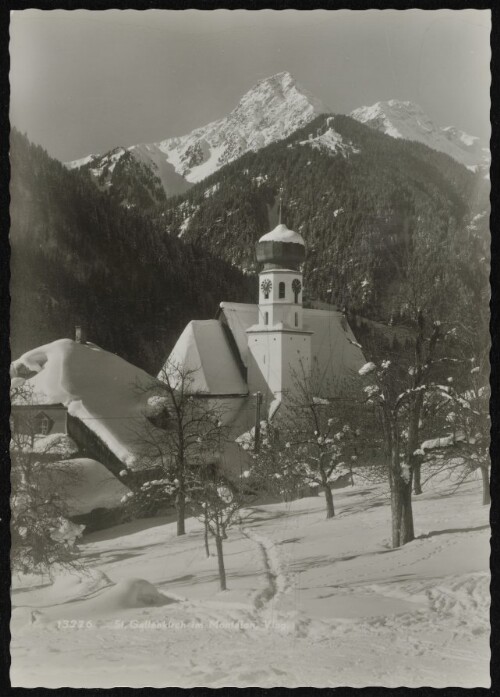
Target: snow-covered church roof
[282, 234]
[204, 349]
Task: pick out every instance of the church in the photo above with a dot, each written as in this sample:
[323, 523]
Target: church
[249, 358]
[246, 362]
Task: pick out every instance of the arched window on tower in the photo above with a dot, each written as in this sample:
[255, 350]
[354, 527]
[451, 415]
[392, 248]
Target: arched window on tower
[281, 289]
[266, 317]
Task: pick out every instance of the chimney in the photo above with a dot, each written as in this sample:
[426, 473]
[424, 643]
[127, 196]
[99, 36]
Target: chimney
[79, 334]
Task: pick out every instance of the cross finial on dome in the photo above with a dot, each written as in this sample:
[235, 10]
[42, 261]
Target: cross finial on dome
[281, 197]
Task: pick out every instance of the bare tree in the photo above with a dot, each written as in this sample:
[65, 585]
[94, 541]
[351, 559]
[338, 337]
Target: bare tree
[216, 502]
[398, 388]
[310, 443]
[183, 431]
[460, 413]
[42, 536]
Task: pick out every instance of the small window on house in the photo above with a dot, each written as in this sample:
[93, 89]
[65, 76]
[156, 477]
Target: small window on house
[266, 317]
[42, 424]
[281, 289]
[296, 319]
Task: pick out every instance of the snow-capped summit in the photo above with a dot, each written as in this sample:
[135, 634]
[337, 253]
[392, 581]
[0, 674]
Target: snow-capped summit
[271, 110]
[404, 119]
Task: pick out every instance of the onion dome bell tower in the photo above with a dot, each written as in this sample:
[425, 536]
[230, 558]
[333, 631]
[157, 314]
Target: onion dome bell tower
[281, 252]
[279, 345]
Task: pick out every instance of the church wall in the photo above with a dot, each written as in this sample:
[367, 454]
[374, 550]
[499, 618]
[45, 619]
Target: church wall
[264, 368]
[278, 359]
[296, 359]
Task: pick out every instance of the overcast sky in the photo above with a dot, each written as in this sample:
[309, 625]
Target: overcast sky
[83, 82]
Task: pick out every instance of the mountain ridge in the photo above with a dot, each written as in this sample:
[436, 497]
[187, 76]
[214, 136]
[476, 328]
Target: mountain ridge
[146, 174]
[272, 109]
[408, 121]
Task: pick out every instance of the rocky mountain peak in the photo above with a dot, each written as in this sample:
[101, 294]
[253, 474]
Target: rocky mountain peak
[271, 110]
[405, 119]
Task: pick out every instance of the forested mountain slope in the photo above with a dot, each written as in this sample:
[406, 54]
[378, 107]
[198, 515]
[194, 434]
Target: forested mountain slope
[78, 257]
[376, 212]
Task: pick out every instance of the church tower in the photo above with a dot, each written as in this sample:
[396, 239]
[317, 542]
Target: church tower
[280, 347]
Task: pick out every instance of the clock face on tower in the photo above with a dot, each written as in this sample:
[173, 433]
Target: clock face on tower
[296, 287]
[266, 286]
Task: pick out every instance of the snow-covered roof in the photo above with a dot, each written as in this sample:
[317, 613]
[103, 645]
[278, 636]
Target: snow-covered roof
[282, 234]
[108, 394]
[204, 349]
[335, 354]
[239, 317]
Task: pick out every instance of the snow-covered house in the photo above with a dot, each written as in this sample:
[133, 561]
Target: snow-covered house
[104, 400]
[263, 348]
[33, 412]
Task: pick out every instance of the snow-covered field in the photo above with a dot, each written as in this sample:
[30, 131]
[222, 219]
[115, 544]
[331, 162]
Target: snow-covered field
[310, 601]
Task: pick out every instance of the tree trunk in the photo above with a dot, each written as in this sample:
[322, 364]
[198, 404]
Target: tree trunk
[330, 510]
[413, 441]
[220, 560]
[402, 512]
[486, 486]
[407, 529]
[401, 488]
[417, 485]
[207, 548]
[180, 503]
[395, 484]
[396, 510]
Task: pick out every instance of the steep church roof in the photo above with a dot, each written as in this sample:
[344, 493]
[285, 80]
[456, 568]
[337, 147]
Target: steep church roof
[239, 317]
[335, 353]
[204, 349]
